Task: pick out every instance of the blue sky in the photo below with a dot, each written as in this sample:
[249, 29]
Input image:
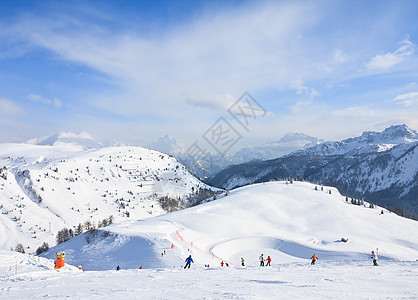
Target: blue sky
[133, 71]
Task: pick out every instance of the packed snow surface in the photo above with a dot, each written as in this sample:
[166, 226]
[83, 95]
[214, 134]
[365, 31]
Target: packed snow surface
[326, 280]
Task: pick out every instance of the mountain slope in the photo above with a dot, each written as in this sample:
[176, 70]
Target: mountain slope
[379, 167]
[289, 222]
[46, 188]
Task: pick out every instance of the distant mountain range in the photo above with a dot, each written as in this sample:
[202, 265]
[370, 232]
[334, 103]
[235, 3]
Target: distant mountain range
[381, 167]
[214, 163]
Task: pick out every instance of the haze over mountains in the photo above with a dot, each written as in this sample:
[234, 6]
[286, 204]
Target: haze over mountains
[213, 163]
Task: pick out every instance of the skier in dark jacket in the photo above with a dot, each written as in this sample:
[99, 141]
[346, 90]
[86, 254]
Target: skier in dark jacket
[188, 261]
[375, 258]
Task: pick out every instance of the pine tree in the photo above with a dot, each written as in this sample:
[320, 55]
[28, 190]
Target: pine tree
[63, 235]
[79, 229]
[42, 248]
[19, 248]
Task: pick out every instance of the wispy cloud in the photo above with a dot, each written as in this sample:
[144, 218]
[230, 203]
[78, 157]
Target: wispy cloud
[8, 107]
[381, 62]
[301, 89]
[407, 99]
[355, 112]
[38, 98]
[224, 53]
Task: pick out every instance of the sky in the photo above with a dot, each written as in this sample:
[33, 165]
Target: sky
[133, 71]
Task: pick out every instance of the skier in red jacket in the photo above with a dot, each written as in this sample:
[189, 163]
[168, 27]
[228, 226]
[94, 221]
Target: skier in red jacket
[268, 261]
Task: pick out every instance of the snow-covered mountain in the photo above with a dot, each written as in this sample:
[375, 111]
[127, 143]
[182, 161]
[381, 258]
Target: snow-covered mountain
[381, 167]
[46, 188]
[82, 139]
[369, 141]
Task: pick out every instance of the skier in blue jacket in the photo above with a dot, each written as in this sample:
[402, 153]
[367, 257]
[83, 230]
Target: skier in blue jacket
[188, 261]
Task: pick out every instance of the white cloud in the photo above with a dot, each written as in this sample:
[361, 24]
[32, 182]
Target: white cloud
[339, 56]
[301, 89]
[355, 112]
[298, 106]
[224, 53]
[8, 107]
[215, 101]
[385, 61]
[407, 99]
[38, 98]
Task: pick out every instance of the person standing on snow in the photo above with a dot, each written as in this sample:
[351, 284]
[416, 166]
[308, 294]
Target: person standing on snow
[242, 261]
[375, 258]
[268, 261]
[188, 261]
[314, 258]
[222, 263]
[261, 259]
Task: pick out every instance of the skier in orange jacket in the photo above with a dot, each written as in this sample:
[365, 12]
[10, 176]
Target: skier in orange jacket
[314, 258]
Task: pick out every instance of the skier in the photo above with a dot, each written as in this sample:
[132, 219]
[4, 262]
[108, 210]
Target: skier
[314, 258]
[117, 268]
[188, 261]
[268, 261]
[242, 261]
[375, 258]
[222, 263]
[261, 258]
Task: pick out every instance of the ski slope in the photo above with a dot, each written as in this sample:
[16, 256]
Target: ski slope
[326, 280]
[289, 222]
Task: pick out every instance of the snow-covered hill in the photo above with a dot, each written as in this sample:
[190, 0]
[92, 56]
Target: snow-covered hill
[379, 167]
[288, 222]
[46, 188]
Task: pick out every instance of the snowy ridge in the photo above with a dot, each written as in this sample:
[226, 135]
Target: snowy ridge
[369, 141]
[47, 188]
